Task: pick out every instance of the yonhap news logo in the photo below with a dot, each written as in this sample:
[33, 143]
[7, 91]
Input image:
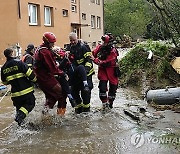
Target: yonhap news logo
[139, 139]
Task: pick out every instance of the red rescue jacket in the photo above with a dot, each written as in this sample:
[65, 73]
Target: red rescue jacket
[110, 60]
[45, 67]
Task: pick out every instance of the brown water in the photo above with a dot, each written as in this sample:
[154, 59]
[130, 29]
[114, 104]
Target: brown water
[93, 133]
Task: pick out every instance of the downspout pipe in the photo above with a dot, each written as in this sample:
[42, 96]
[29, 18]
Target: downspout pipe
[103, 15]
[19, 9]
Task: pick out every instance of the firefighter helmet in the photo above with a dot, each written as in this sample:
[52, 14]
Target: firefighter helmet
[49, 37]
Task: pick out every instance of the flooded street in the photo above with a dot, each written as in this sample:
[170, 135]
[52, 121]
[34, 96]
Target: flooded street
[96, 132]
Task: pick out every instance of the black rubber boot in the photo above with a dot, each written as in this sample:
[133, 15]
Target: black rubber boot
[78, 110]
[73, 102]
[86, 89]
[86, 109]
[110, 105]
[20, 116]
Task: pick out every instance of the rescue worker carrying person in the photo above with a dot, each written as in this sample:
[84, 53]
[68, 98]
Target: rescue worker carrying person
[45, 69]
[80, 73]
[19, 76]
[105, 56]
[28, 56]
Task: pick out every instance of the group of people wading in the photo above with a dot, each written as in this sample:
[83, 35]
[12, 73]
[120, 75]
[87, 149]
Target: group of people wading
[61, 74]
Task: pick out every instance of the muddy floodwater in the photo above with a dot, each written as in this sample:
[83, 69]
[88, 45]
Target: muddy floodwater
[94, 133]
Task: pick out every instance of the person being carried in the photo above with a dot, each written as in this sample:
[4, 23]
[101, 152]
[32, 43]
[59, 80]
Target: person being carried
[63, 64]
[20, 77]
[105, 56]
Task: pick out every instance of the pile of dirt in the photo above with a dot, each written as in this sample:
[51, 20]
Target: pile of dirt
[138, 66]
[148, 66]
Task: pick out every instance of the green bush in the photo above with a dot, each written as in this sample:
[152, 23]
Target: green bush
[135, 63]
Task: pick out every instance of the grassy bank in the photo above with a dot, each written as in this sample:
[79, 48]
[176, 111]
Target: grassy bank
[156, 72]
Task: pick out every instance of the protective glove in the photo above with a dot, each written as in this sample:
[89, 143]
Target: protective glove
[61, 73]
[104, 64]
[97, 61]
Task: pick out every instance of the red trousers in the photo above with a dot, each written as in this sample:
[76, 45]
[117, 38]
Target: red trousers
[107, 74]
[53, 95]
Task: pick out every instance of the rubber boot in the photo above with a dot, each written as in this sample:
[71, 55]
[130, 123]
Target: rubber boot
[61, 111]
[110, 105]
[20, 116]
[105, 106]
[78, 109]
[73, 102]
[86, 89]
[86, 109]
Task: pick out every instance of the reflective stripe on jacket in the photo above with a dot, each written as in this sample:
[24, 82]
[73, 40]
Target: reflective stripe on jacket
[19, 76]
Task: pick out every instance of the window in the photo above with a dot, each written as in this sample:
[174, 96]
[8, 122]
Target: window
[73, 8]
[65, 13]
[47, 16]
[83, 16]
[93, 1]
[32, 11]
[93, 22]
[98, 2]
[73, 1]
[99, 22]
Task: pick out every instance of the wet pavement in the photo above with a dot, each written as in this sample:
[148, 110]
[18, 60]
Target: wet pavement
[93, 133]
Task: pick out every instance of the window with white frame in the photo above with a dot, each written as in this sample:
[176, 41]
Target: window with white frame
[98, 22]
[98, 2]
[73, 1]
[93, 21]
[47, 16]
[65, 12]
[73, 8]
[32, 11]
[83, 16]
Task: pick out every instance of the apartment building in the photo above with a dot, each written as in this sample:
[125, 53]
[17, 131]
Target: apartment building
[75, 17]
[25, 21]
[87, 20]
[92, 17]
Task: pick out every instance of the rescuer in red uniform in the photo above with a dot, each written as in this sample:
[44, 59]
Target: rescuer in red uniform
[105, 56]
[45, 69]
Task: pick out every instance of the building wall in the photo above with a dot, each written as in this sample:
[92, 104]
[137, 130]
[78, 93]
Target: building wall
[17, 30]
[8, 26]
[33, 34]
[88, 34]
[74, 16]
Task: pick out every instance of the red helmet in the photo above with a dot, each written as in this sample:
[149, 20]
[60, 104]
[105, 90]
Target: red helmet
[49, 37]
[105, 38]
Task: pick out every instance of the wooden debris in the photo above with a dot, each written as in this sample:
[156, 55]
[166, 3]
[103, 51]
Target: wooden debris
[133, 115]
